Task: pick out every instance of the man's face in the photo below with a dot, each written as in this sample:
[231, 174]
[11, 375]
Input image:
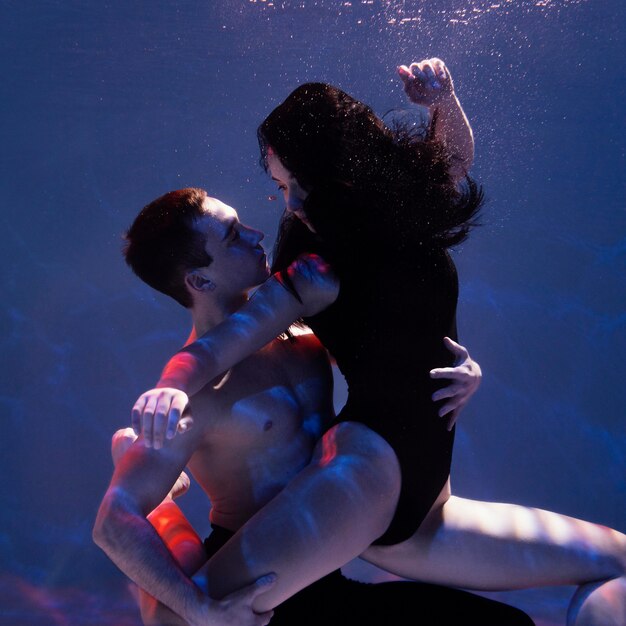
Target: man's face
[239, 261]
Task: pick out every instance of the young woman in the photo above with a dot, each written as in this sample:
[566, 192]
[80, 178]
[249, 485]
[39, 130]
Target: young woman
[362, 257]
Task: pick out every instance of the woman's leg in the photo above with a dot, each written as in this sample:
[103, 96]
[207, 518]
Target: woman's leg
[483, 545]
[327, 515]
[602, 603]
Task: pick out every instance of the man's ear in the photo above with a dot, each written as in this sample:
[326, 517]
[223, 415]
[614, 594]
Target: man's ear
[196, 281]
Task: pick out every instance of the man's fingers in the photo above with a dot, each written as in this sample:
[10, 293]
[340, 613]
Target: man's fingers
[259, 586]
[452, 418]
[447, 392]
[448, 372]
[449, 406]
[246, 595]
[453, 346]
[456, 348]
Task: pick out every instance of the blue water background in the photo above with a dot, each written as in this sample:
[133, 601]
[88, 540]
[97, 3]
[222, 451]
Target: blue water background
[107, 105]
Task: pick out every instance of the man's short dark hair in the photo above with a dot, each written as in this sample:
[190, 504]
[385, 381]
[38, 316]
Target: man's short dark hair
[162, 243]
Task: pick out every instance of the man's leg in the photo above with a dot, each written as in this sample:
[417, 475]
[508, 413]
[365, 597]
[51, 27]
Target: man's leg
[422, 604]
[123, 439]
[337, 601]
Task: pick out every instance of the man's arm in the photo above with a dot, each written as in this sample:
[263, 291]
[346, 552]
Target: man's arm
[429, 83]
[184, 545]
[140, 482]
[174, 529]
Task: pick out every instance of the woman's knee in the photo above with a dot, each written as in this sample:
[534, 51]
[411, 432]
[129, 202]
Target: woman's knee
[355, 450]
[351, 439]
[599, 604]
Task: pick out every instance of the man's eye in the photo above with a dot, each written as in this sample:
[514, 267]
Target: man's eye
[282, 187]
[235, 235]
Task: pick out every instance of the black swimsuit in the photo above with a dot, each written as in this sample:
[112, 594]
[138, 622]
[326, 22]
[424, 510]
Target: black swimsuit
[386, 332]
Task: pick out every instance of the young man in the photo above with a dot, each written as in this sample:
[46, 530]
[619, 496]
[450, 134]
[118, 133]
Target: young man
[254, 430]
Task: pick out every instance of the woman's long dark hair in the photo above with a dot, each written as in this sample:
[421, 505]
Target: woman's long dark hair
[368, 183]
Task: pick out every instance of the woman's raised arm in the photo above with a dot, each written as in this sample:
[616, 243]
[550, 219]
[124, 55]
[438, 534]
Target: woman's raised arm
[429, 83]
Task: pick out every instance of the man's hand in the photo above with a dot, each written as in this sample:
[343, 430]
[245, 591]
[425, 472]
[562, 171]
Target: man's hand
[236, 608]
[465, 376]
[158, 413]
[427, 82]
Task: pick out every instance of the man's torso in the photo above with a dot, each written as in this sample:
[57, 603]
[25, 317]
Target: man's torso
[258, 425]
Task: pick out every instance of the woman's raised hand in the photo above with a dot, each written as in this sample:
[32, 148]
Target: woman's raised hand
[465, 379]
[158, 414]
[426, 82]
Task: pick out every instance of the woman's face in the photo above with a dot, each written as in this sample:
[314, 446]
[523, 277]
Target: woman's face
[294, 194]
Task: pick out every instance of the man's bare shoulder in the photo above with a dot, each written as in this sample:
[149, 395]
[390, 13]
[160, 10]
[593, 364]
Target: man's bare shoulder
[295, 363]
[305, 361]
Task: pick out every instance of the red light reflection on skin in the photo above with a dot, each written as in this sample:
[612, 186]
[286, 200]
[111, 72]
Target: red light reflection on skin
[178, 535]
[329, 447]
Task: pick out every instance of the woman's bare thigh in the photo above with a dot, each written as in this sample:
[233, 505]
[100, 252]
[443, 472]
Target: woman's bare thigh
[326, 516]
[495, 546]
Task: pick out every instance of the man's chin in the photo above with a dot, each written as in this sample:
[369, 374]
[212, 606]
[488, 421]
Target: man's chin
[262, 278]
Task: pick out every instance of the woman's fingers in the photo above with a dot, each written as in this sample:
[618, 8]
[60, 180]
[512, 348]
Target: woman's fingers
[158, 414]
[439, 68]
[427, 70]
[264, 618]
[405, 72]
[427, 81]
[136, 414]
[179, 404]
[416, 71]
[147, 420]
[159, 422]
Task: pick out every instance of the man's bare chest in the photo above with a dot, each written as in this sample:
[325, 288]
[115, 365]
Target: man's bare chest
[254, 402]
